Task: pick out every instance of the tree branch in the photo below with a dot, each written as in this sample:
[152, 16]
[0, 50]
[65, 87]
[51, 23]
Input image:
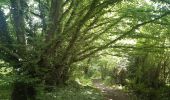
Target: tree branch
[82, 57]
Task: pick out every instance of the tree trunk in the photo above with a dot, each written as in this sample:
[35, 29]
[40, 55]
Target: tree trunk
[56, 77]
[23, 91]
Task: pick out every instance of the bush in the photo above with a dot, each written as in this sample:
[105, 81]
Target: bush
[5, 91]
[144, 92]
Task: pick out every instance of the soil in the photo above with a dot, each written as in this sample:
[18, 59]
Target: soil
[112, 93]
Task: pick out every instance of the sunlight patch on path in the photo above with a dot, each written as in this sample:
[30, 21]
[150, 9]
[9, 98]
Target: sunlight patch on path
[111, 93]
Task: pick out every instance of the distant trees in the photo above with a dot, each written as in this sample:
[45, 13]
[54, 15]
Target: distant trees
[148, 69]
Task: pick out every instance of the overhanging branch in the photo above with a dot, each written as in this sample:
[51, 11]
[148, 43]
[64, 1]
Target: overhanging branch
[119, 38]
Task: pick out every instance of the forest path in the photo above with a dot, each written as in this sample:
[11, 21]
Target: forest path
[111, 93]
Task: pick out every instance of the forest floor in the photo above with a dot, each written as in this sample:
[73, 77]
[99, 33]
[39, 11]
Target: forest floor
[112, 93]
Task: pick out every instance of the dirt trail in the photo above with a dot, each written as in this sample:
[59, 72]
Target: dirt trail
[111, 93]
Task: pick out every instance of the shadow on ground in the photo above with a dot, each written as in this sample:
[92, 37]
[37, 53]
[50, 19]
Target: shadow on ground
[112, 93]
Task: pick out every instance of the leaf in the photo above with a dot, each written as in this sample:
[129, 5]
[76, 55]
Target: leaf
[4, 2]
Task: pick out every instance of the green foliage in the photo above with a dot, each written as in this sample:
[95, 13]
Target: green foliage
[3, 2]
[148, 93]
[51, 42]
[148, 77]
[5, 91]
[72, 92]
[5, 80]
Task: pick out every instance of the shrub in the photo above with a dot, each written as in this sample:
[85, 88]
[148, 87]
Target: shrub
[73, 91]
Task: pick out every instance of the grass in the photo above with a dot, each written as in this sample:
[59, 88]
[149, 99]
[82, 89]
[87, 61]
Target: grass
[72, 92]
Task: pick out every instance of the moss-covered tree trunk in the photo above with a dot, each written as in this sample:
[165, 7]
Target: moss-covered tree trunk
[56, 77]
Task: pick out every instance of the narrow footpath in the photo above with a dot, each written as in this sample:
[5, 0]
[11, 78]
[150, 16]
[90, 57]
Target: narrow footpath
[111, 93]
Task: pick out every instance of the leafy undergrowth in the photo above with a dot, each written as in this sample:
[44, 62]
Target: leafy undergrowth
[73, 91]
[5, 91]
